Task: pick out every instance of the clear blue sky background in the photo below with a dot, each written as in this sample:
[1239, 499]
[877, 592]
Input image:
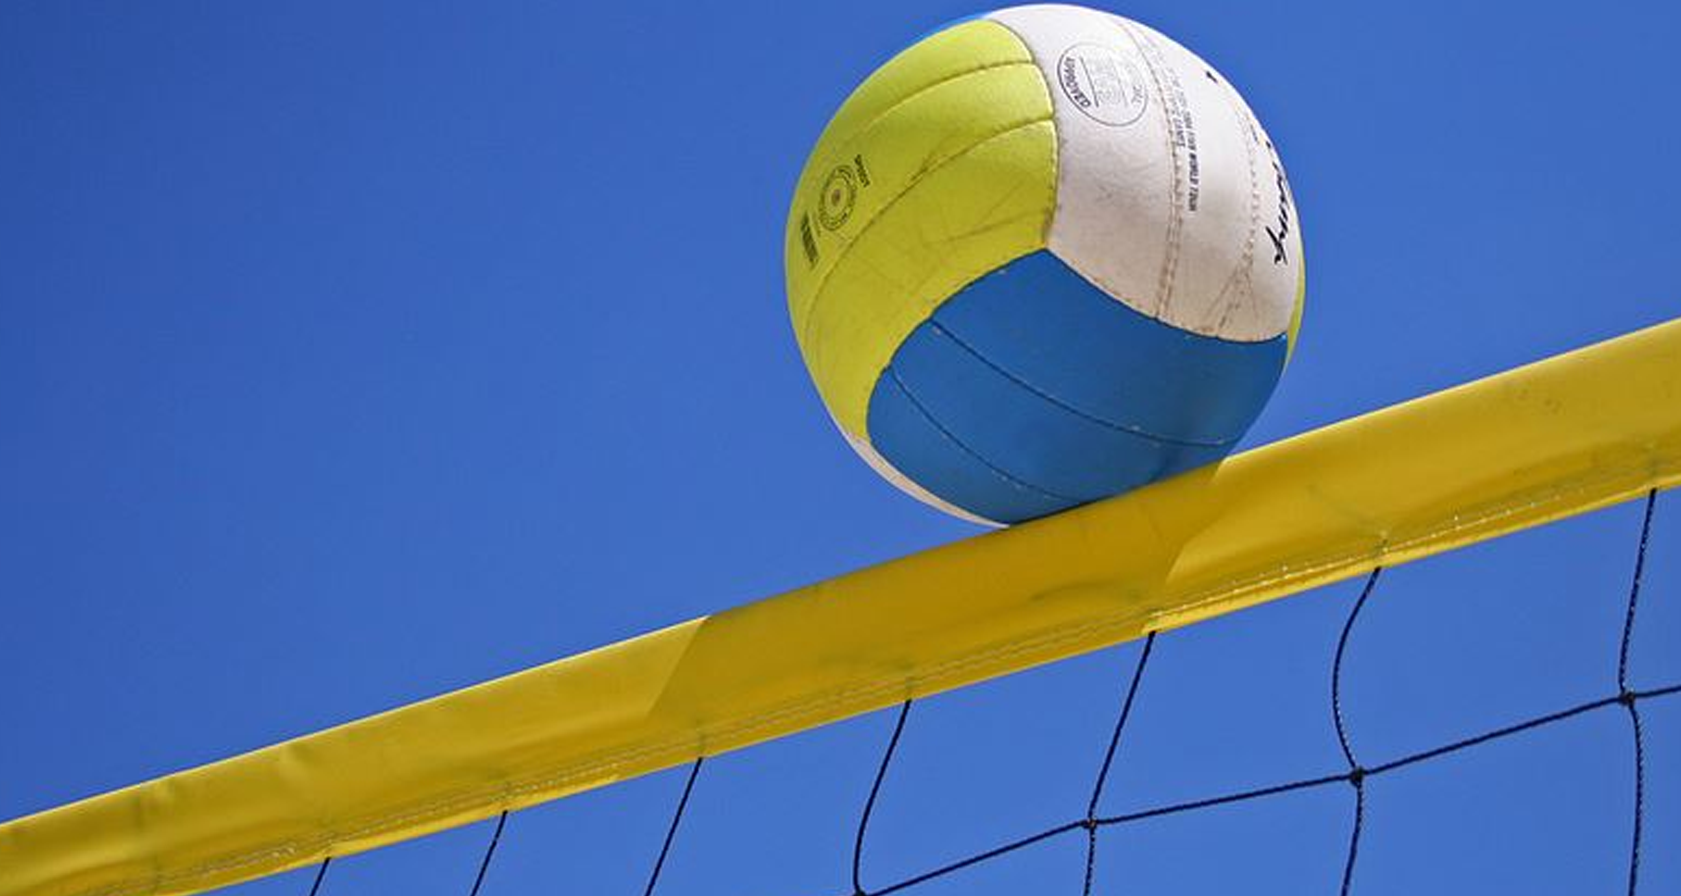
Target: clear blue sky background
[354, 352]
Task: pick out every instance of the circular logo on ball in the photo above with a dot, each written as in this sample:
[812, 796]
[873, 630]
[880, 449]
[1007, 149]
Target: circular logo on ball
[1103, 83]
[840, 191]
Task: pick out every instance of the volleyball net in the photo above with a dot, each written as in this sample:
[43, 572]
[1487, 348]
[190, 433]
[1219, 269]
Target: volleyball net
[1562, 437]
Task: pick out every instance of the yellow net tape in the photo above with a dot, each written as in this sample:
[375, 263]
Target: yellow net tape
[1549, 440]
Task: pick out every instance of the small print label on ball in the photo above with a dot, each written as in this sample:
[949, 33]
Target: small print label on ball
[1103, 83]
[840, 193]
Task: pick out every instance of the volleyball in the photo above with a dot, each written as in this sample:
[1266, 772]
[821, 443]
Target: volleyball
[1043, 256]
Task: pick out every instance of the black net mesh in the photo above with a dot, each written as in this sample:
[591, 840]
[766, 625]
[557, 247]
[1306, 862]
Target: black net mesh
[1088, 825]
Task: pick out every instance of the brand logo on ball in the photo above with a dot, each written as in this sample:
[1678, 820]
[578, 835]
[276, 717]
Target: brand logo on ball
[1103, 83]
[840, 192]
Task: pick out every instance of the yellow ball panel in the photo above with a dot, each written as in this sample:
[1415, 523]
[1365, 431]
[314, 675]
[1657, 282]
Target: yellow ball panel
[940, 167]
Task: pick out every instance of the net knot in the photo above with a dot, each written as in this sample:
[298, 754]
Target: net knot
[1357, 776]
[1627, 697]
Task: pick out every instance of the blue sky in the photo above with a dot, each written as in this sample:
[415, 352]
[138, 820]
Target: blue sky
[351, 353]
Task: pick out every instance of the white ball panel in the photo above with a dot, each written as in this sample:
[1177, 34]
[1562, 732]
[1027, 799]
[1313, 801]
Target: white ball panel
[1168, 196]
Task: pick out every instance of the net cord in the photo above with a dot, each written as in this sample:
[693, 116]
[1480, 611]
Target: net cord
[1356, 775]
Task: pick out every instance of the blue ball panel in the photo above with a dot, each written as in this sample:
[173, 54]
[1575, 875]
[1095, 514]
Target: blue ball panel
[1065, 338]
[931, 457]
[1014, 414]
[987, 422]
